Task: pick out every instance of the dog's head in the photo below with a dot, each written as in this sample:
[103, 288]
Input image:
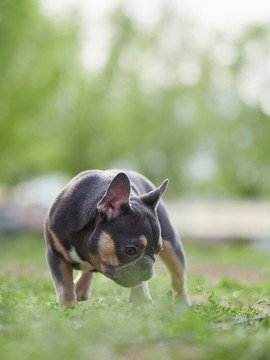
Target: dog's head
[127, 238]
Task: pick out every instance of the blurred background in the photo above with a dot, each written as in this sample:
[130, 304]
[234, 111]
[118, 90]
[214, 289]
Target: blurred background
[172, 89]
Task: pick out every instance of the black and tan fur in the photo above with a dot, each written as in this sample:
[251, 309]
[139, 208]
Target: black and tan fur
[114, 223]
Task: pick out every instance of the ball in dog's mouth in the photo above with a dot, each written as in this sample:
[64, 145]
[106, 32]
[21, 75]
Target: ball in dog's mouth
[134, 274]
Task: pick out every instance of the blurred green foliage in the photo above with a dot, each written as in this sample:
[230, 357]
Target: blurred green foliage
[165, 102]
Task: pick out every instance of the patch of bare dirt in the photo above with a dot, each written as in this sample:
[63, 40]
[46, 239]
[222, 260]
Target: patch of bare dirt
[232, 272]
[18, 270]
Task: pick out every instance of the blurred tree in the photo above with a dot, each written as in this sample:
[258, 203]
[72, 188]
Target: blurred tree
[165, 102]
[39, 59]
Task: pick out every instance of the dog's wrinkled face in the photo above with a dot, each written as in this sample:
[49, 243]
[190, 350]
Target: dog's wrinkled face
[127, 238]
[125, 248]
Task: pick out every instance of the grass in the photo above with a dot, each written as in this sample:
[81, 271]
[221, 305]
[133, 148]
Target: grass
[32, 326]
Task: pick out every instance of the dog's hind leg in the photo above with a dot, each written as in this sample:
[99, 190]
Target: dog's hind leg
[176, 268]
[172, 254]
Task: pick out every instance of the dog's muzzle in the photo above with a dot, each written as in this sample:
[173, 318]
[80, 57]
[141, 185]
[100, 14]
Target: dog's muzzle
[133, 274]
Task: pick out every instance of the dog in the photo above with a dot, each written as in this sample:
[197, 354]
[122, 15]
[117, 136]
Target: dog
[114, 223]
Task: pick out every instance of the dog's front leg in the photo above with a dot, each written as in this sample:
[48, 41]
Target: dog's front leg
[83, 284]
[140, 294]
[62, 276]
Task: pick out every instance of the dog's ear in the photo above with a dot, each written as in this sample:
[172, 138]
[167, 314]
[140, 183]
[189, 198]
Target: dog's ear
[153, 197]
[116, 195]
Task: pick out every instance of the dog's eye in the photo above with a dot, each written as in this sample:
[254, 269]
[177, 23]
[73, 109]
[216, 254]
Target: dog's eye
[131, 250]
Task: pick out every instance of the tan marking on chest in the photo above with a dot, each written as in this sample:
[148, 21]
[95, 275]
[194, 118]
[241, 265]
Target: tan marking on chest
[86, 267]
[97, 263]
[83, 265]
[59, 247]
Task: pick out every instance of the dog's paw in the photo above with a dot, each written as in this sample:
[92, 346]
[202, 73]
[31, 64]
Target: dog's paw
[82, 294]
[182, 299]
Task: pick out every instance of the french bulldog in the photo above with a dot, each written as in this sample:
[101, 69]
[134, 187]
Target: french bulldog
[114, 223]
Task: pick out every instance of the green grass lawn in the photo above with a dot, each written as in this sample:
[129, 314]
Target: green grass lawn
[226, 283]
